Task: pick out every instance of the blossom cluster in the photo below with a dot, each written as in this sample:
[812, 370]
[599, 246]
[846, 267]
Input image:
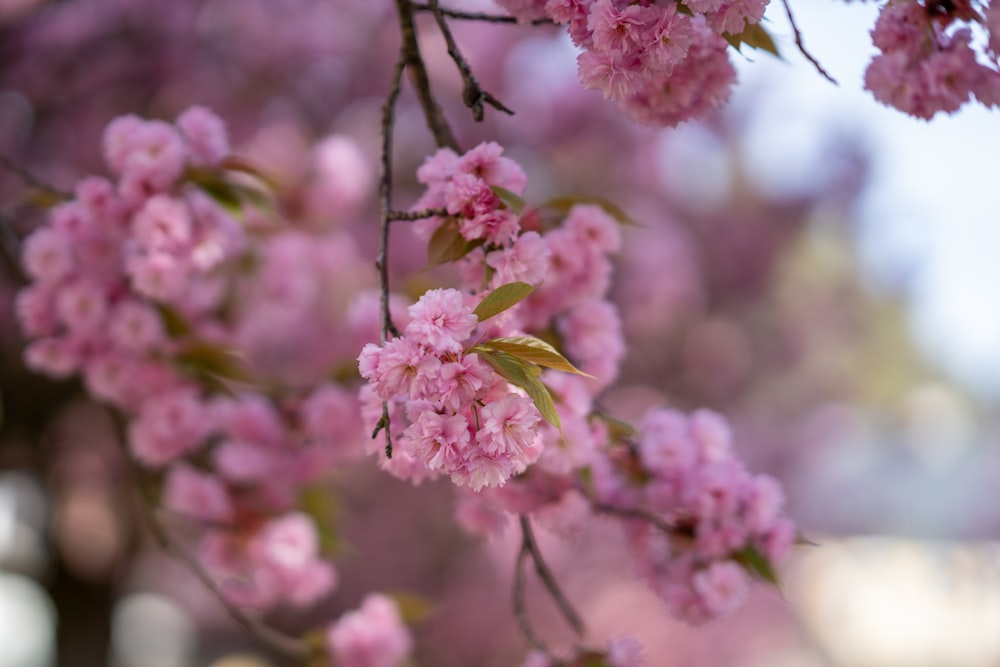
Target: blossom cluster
[664, 62]
[699, 520]
[170, 295]
[928, 58]
[465, 422]
[454, 381]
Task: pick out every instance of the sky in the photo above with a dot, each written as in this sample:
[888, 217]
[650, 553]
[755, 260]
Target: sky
[930, 223]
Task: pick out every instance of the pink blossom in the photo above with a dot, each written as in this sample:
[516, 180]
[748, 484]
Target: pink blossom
[163, 223]
[508, 426]
[48, 255]
[625, 652]
[441, 441]
[195, 494]
[722, 587]
[372, 636]
[486, 161]
[525, 261]
[58, 357]
[205, 135]
[441, 321]
[135, 326]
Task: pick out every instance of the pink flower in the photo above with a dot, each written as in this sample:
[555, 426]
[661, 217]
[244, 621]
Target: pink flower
[135, 326]
[508, 426]
[441, 441]
[441, 321]
[486, 161]
[195, 494]
[48, 255]
[372, 636]
[525, 261]
[164, 223]
[205, 135]
[722, 587]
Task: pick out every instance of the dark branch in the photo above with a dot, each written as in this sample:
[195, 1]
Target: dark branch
[802, 47]
[410, 216]
[31, 180]
[385, 199]
[279, 641]
[10, 250]
[414, 62]
[637, 514]
[472, 93]
[529, 544]
[480, 16]
[520, 609]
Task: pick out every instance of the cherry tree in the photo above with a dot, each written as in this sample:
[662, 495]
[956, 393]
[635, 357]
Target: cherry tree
[250, 352]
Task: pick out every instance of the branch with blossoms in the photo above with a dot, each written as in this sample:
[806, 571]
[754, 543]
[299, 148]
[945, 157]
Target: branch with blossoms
[181, 294]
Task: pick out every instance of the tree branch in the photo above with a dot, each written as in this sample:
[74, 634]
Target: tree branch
[410, 48]
[481, 16]
[31, 180]
[802, 47]
[472, 93]
[520, 609]
[529, 545]
[410, 216]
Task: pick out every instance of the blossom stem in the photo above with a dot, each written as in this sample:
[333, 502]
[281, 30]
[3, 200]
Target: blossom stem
[530, 546]
[472, 93]
[802, 47]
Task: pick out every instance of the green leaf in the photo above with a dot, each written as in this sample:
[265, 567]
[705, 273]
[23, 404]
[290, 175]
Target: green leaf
[173, 322]
[230, 194]
[509, 199]
[213, 362]
[617, 429]
[754, 36]
[519, 373]
[501, 299]
[413, 608]
[563, 204]
[757, 564]
[447, 245]
[535, 350]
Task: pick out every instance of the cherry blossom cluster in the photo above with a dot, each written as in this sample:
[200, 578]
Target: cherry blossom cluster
[928, 61]
[700, 522]
[455, 380]
[697, 521]
[664, 61]
[213, 328]
[465, 421]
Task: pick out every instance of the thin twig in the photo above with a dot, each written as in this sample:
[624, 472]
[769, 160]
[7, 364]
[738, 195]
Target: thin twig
[472, 93]
[640, 515]
[802, 47]
[481, 16]
[520, 608]
[31, 180]
[410, 48]
[529, 544]
[385, 198]
[10, 249]
[409, 216]
[385, 208]
[278, 641]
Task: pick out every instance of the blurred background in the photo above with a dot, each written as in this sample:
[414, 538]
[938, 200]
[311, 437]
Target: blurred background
[817, 267]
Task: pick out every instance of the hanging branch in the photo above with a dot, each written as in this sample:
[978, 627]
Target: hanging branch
[520, 608]
[287, 645]
[410, 48]
[472, 93]
[637, 514]
[410, 216]
[802, 47]
[481, 16]
[10, 250]
[530, 547]
[31, 180]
